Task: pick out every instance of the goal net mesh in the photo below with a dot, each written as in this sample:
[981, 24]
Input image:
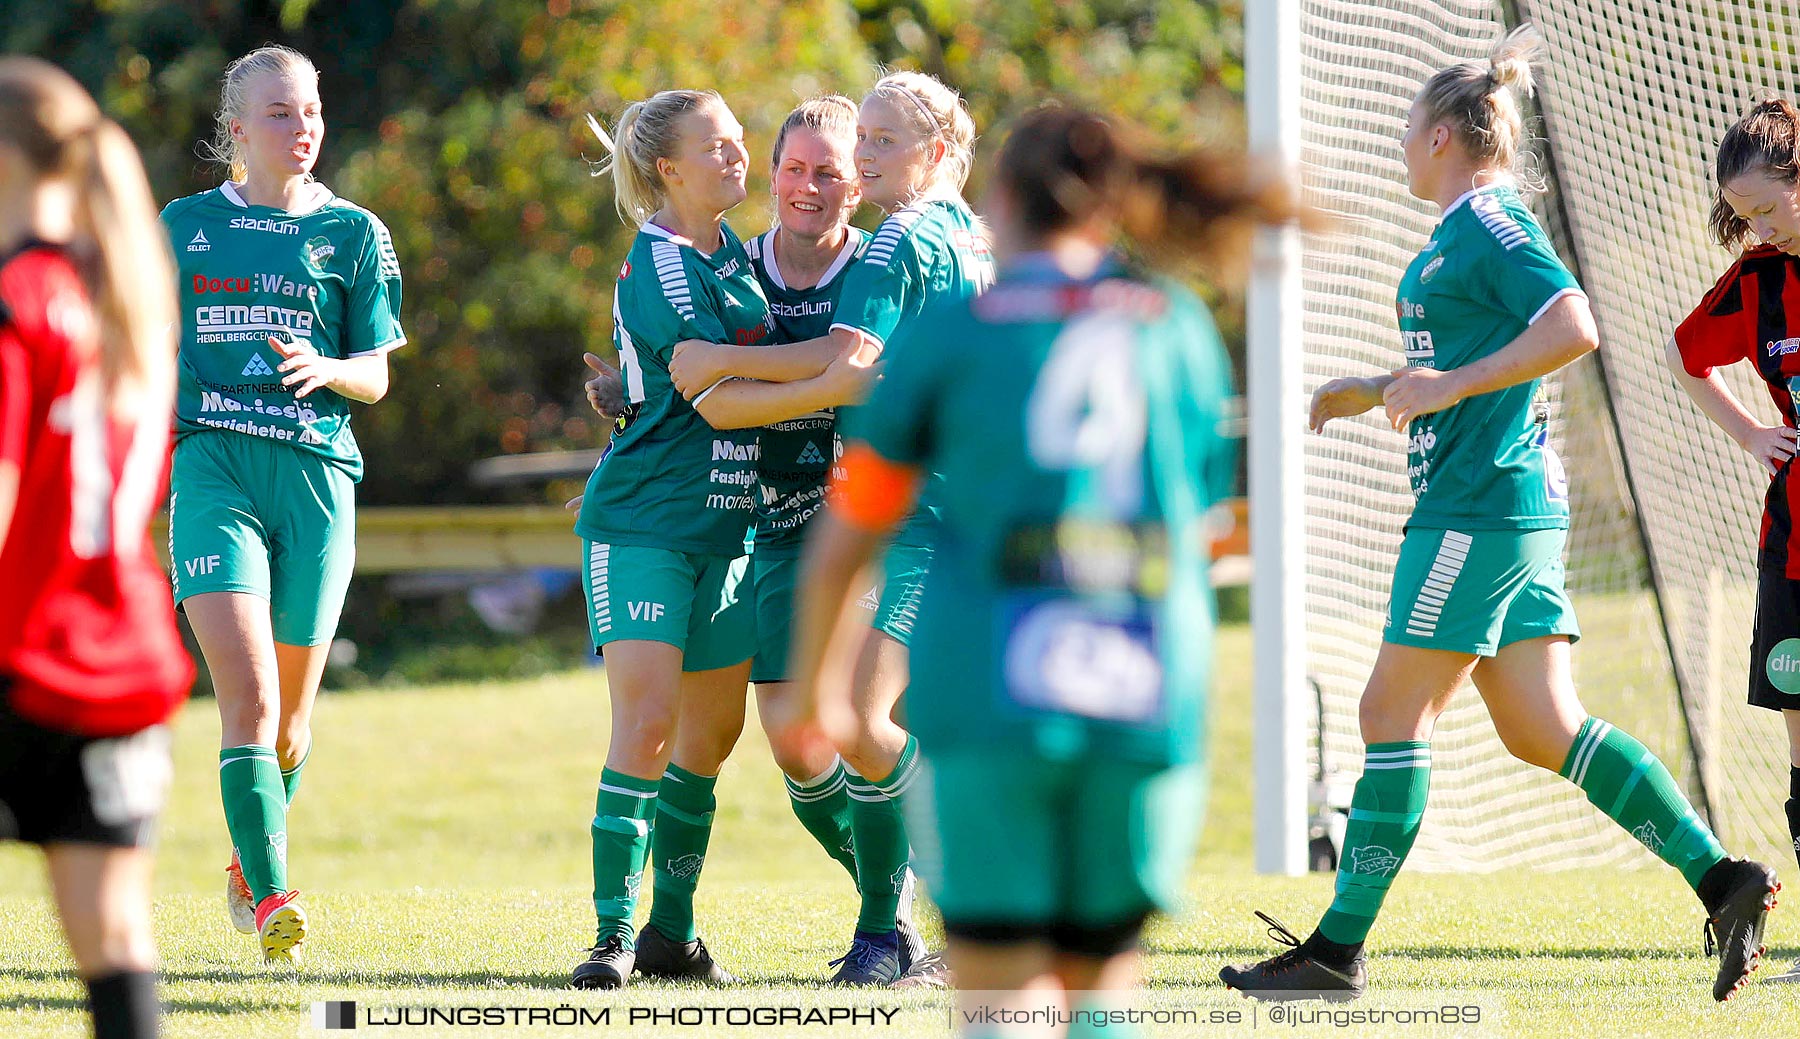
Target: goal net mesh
[1633, 97]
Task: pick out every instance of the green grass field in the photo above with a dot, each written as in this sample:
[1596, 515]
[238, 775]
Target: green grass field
[441, 840]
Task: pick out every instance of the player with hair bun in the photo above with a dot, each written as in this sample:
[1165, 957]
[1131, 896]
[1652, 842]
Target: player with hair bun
[1486, 310]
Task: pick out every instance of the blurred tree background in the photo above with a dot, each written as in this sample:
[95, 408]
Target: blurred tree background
[459, 123]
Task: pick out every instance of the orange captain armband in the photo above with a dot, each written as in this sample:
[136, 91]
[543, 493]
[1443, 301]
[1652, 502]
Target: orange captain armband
[871, 493]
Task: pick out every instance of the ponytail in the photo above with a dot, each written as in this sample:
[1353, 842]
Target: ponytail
[1481, 104]
[1063, 167]
[648, 130]
[132, 272]
[1766, 141]
[119, 245]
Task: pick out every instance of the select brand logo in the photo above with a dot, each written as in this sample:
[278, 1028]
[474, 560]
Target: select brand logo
[199, 244]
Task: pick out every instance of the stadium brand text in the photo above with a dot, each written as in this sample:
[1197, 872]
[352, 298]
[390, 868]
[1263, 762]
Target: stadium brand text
[802, 309]
[251, 223]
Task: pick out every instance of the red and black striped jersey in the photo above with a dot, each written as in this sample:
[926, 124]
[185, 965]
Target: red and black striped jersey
[1753, 313]
[87, 630]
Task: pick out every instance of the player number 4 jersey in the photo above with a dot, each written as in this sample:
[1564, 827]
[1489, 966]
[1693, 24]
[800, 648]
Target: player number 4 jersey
[1485, 463]
[326, 277]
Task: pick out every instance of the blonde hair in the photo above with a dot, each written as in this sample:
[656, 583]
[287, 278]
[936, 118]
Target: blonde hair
[938, 113]
[1481, 103]
[119, 245]
[648, 130]
[234, 97]
[1767, 141]
[832, 114]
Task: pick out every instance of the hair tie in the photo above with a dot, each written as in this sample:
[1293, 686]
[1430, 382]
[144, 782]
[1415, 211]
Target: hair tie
[930, 117]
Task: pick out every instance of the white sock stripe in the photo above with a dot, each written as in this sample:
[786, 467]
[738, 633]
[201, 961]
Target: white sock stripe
[1585, 756]
[1391, 755]
[1596, 736]
[627, 791]
[830, 774]
[251, 752]
[812, 794]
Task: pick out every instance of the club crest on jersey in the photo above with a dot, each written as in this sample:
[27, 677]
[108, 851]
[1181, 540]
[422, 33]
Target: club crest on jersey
[199, 244]
[1430, 269]
[1783, 347]
[625, 270]
[318, 253]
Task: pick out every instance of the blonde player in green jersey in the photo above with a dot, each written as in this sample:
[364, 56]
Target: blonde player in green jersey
[290, 304]
[915, 142]
[663, 521]
[1060, 681]
[1486, 310]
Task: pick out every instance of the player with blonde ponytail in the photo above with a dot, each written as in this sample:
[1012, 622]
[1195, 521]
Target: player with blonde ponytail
[1486, 311]
[663, 522]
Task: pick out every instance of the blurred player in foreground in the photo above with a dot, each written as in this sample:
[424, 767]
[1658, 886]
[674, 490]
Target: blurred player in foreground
[90, 662]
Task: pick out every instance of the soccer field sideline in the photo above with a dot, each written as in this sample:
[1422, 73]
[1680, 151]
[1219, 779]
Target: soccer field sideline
[443, 871]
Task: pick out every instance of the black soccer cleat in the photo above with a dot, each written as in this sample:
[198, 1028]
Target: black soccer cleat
[1297, 973]
[660, 956]
[1734, 926]
[873, 959]
[607, 966]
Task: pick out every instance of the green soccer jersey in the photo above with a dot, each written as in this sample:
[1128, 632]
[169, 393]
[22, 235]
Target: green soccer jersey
[325, 276]
[670, 480]
[795, 456]
[1487, 273]
[929, 251]
[1068, 609]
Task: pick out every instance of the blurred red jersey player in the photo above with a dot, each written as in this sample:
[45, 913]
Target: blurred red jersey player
[90, 663]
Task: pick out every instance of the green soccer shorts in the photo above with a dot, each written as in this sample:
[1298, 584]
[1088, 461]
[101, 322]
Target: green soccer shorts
[253, 515]
[686, 599]
[1478, 591]
[774, 575]
[902, 586]
[1003, 835]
